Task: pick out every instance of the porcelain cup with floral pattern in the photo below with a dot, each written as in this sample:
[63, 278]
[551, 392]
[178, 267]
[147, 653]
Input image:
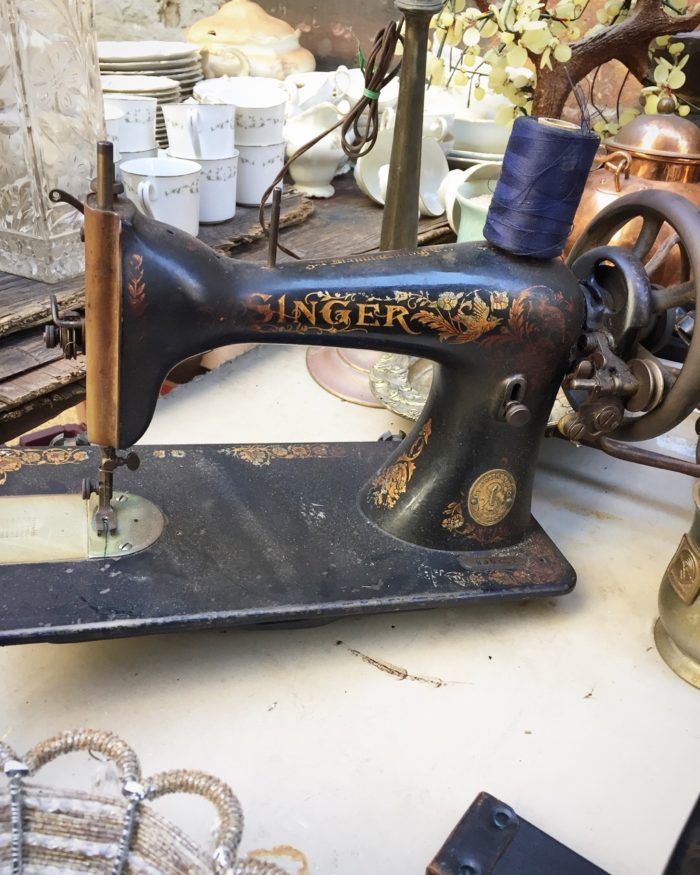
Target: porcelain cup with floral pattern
[257, 168]
[137, 131]
[217, 188]
[260, 106]
[166, 189]
[113, 127]
[200, 130]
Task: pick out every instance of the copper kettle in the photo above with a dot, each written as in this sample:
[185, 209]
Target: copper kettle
[652, 151]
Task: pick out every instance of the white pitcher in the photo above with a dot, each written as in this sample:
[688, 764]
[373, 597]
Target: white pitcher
[313, 171]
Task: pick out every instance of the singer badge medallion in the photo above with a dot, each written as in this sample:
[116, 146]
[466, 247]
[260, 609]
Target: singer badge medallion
[491, 497]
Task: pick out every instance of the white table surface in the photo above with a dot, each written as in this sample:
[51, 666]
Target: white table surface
[562, 708]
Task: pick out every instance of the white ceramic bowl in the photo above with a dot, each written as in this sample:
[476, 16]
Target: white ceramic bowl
[480, 135]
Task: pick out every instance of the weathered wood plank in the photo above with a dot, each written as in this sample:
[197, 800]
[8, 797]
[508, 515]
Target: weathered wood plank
[25, 387]
[25, 303]
[34, 413]
[24, 351]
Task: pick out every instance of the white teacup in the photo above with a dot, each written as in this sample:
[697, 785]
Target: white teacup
[257, 168]
[200, 130]
[433, 169]
[217, 189]
[435, 126]
[166, 189]
[113, 126]
[138, 127]
[132, 156]
[309, 89]
[260, 106]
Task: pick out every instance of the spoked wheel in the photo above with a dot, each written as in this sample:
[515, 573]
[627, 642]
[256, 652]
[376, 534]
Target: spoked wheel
[627, 314]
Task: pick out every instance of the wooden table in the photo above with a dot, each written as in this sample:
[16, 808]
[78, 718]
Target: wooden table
[36, 383]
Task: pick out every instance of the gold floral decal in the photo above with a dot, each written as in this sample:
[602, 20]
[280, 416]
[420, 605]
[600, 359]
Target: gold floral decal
[262, 455]
[14, 460]
[458, 317]
[391, 483]
[454, 518]
[136, 286]
[456, 524]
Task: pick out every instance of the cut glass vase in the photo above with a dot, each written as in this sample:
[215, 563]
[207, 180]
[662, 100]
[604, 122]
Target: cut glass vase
[51, 116]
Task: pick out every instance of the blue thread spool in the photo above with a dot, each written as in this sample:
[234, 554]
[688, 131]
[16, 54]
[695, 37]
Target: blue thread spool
[545, 169]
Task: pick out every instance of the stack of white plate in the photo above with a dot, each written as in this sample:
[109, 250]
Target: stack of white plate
[178, 63]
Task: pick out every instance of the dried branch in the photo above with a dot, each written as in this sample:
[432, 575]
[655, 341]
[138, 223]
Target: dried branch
[627, 42]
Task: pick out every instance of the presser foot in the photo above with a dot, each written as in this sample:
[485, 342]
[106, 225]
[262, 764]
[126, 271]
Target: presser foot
[104, 518]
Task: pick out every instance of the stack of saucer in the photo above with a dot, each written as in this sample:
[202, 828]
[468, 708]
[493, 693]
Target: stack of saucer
[162, 88]
[176, 60]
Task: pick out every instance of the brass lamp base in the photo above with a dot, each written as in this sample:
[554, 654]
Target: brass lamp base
[683, 664]
[677, 631]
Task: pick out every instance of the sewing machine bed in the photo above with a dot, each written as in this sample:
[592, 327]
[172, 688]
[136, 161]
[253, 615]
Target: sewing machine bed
[254, 535]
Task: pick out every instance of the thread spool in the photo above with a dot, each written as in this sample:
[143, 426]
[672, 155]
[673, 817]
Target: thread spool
[545, 169]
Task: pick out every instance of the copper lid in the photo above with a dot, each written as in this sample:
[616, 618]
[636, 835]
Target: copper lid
[665, 136]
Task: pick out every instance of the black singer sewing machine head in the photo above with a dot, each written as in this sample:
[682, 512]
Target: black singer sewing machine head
[445, 515]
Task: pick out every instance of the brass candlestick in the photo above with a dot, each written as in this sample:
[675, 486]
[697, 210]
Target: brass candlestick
[400, 221]
[677, 631]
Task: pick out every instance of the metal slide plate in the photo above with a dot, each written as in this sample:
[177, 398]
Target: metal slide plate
[253, 535]
[58, 528]
[43, 528]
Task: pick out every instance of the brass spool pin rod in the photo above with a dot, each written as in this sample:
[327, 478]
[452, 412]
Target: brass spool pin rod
[400, 220]
[104, 188]
[274, 226]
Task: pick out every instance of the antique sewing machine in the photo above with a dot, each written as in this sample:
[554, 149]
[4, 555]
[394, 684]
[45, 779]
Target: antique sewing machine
[232, 535]
[259, 534]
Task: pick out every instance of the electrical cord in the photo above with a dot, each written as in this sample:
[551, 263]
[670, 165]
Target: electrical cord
[356, 139]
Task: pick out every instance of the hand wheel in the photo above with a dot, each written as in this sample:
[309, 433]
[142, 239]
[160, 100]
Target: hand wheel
[637, 302]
